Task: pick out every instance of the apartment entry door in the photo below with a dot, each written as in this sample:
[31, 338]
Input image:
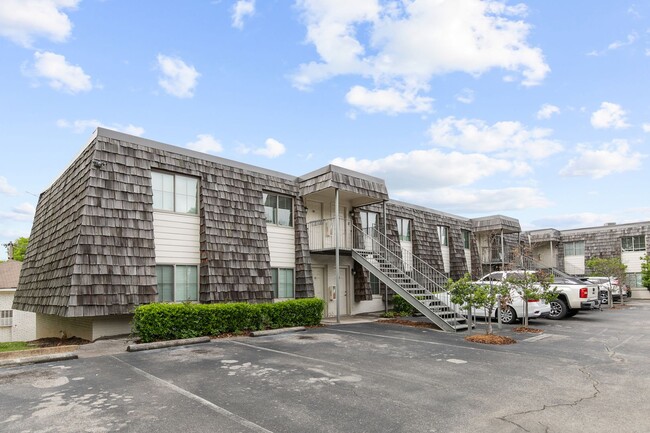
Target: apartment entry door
[344, 290]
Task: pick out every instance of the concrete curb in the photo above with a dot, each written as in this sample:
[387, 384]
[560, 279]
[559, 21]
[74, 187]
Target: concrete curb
[277, 331]
[38, 352]
[37, 359]
[163, 344]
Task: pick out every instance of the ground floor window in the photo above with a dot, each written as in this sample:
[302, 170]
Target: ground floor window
[375, 285]
[6, 317]
[283, 282]
[177, 283]
[633, 279]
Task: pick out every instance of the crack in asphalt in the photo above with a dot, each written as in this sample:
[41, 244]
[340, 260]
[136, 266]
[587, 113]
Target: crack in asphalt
[583, 370]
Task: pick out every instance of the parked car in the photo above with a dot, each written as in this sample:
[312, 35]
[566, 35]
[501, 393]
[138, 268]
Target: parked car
[515, 305]
[604, 285]
[573, 295]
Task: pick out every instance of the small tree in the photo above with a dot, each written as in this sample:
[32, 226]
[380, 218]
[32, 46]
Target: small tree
[645, 271]
[610, 267]
[531, 286]
[19, 248]
[469, 294]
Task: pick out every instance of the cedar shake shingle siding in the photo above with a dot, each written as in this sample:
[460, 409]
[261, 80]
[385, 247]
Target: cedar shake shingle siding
[92, 252]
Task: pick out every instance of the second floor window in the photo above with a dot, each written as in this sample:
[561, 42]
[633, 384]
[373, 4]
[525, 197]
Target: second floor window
[633, 243]
[404, 229]
[175, 193]
[443, 235]
[278, 209]
[574, 248]
[466, 239]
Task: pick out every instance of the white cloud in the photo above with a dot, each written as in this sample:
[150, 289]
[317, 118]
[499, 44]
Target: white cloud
[610, 115]
[22, 212]
[390, 101]
[646, 127]
[272, 149]
[505, 139]
[60, 74]
[5, 188]
[205, 143]
[476, 200]
[414, 170]
[610, 158]
[465, 96]
[81, 126]
[178, 79]
[242, 9]
[23, 20]
[403, 45]
[631, 38]
[547, 110]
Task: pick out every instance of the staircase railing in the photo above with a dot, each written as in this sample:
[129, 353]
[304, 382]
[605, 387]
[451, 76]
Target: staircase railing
[431, 280]
[526, 262]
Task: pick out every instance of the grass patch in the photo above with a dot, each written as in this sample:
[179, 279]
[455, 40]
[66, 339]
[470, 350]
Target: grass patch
[16, 345]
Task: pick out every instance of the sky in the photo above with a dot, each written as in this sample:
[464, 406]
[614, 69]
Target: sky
[538, 110]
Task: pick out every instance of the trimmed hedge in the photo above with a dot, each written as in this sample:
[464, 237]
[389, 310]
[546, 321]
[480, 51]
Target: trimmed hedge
[401, 307]
[156, 322]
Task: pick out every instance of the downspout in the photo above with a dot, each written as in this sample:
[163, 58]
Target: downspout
[503, 253]
[336, 255]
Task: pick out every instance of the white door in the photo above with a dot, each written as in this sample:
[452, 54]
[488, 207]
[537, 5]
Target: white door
[315, 225]
[344, 289]
[318, 275]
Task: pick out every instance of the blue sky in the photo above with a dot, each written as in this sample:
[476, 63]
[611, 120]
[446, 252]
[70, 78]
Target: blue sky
[537, 110]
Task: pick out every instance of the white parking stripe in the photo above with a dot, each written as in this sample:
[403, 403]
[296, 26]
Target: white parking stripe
[236, 418]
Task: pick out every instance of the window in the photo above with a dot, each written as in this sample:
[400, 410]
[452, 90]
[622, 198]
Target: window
[278, 209]
[6, 317]
[634, 279]
[443, 235]
[177, 283]
[633, 243]
[574, 248]
[466, 238]
[282, 282]
[375, 285]
[174, 193]
[369, 221]
[404, 229]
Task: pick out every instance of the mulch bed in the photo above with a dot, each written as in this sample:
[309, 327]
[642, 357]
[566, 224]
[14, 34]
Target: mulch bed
[490, 339]
[409, 323]
[53, 342]
[522, 329]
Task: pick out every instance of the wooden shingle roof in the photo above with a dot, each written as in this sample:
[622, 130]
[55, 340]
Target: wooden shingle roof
[9, 274]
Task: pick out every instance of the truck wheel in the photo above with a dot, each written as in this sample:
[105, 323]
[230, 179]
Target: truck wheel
[508, 316]
[572, 312]
[559, 309]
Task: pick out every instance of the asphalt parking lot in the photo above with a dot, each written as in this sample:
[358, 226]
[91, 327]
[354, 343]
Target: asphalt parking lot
[589, 373]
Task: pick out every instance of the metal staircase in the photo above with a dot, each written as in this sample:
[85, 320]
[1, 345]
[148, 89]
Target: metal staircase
[415, 281]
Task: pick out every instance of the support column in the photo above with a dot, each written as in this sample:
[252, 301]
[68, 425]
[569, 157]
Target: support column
[503, 252]
[385, 237]
[337, 264]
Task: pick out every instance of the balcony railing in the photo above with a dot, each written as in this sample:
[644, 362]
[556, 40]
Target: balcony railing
[322, 234]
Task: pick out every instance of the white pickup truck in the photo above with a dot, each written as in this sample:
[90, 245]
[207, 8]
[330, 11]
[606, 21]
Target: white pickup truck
[573, 295]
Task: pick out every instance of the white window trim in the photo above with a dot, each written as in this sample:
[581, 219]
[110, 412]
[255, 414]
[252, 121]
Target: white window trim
[198, 283]
[6, 318]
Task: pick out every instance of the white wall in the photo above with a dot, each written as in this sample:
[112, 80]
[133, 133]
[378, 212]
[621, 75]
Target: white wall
[545, 254]
[48, 325]
[176, 238]
[282, 246]
[108, 326]
[407, 254]
[23, 323]
[574, 265]
[632, 259]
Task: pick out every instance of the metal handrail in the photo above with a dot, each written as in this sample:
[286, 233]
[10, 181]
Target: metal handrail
[417, 269]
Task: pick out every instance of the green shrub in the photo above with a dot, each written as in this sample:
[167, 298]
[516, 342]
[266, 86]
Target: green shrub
[154, 322]
[401, 307]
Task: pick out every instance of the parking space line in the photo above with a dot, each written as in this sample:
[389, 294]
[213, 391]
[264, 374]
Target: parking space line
[233, 417]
